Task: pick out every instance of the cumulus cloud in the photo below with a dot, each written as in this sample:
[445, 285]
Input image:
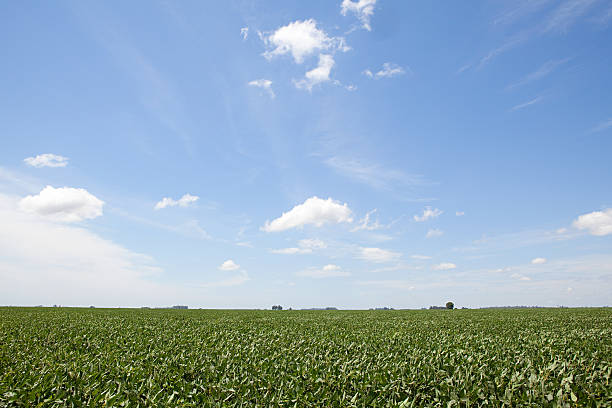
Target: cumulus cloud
[520, 277]
[244, 32]
[184, 201]
[538, 261]
[363, 10]
[596, 223]
[318, 75]
[459, 213]
[434, 232]
[388, 70]
[314, 211]
[328, 271]
[229, 265]
[301, 39]
[46, 160]
[264, 84]
[428, 213]
[378, 255]
[444, 266]
[64, 204]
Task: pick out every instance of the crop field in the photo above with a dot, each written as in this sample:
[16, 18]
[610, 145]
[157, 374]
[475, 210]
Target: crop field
[62, 357]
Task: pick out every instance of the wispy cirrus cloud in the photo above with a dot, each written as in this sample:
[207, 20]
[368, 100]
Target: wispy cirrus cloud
[602, 126]
[374, 175]
[543, 71]
[526, 104]
[553, 20]
[567, 14]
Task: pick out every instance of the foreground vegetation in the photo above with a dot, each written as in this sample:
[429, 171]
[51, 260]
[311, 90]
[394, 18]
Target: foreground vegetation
[194, 358]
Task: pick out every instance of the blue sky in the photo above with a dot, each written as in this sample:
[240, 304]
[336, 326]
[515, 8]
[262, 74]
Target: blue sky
[324, 153]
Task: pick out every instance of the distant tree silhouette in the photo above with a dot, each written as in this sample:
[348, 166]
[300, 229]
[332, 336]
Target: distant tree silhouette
[277, 307]
[450, 305]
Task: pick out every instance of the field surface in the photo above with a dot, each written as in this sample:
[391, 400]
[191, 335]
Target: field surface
[204, 358]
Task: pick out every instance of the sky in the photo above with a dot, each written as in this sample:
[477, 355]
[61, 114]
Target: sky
[357, 154]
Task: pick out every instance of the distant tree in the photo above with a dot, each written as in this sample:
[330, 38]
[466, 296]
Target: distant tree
[277, 307]
[450, 305]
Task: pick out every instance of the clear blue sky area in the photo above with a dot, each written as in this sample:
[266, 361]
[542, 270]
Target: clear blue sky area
[323, 153]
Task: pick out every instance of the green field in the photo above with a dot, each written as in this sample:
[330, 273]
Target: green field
[195, 358]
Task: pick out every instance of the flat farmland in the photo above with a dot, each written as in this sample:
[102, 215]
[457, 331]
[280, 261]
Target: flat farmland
[69, 357]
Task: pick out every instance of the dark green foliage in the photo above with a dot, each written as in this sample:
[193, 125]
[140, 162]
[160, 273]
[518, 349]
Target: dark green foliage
[197, 358]
[450, 305]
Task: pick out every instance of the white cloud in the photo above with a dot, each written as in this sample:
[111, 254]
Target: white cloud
[520, 277]
[432, 233]
[318, 75]
[538, 261]
[264, 84]
[602, 126]
[526, 104]
[301, 39]
[372, 174]
[328, 271]
[184, 201]
[229, 265]
[63, 204]
[420, 257]
[378, 255]
[291, 251]
[566, 14]
[312, 243]
[444, 266]
[46, 160]
[306, 246]
[428, 214]
[388, 70]
[459, 213]
[363, 9]
[314, 211]
[540, 73]
[244, 32]
[596, 223]
[44, 262]
[365, 224]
